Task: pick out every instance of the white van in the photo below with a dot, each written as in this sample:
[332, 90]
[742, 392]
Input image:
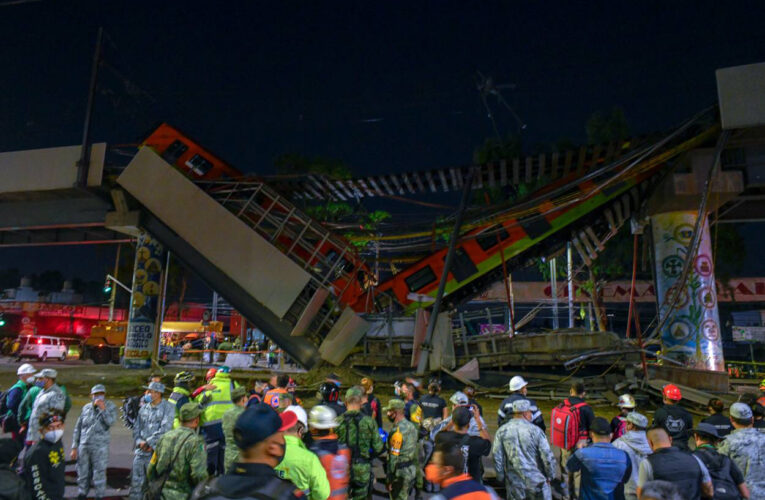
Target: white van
[42, 347]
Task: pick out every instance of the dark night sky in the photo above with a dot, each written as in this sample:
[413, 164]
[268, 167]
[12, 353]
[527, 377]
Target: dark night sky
[385, 86]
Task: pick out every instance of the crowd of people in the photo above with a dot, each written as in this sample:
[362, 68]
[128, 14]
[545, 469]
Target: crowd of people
[216, 439]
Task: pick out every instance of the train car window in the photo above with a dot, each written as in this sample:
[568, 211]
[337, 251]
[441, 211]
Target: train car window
[490, 240]
[199, 165]
[174, 151]
[421, 278]
[535, 226]
[462, 266]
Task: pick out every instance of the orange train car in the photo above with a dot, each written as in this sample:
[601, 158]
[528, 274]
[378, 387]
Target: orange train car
[350, 276]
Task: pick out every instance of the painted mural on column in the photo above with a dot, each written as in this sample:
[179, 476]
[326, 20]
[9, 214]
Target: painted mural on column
[144, 303]
[692, 334]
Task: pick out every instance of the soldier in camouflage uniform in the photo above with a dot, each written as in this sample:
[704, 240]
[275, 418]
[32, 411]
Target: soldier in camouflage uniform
[185, 450]
[51, 398]
[359, 433]
[154, 419]
[522, 456]
[90, 442]
[239, 398]
[402, 452]
[746, 447]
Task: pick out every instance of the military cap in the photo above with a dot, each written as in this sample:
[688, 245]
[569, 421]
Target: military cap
[637, 419]
[741, 411]
[155, 386]
[521, 406]
[237, 393]
[47, 373]
[354, 392]
[395, 404]
[706, 430]
[98, 388]
[189, 411]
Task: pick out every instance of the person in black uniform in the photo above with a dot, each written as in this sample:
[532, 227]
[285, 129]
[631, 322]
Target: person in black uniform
[433, 405]
[259, 435]
[674, 418]
[329, 395]
[716, 417]
[45, 463]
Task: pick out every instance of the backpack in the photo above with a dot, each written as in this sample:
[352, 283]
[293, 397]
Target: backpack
[565, 424]
[152, 489]
[130, 408]
[719, 469]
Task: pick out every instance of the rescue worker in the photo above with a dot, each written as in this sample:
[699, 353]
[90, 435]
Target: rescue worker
[14, 487]
[746, 447]
[51, 398]
[334, 456]
[271, 397]
[216, 401]
[360, 434]
[372, 406]
[329, 395]
[300, 466]
[668, 463]
[45, 463]
[154, 419]
[727, 479]
[90, 442]
[207, 386]
[402, 452]
[180, 456]
[626, 405]
[522, 456]
[239, 398]
[716, 417]
[447, 469]
[259, 435]
[674, 418]
[635, 443]
[518, 391]
[11, 421]
[181, 393]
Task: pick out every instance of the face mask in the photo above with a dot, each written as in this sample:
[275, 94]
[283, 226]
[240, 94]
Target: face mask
[54, 436]
[98, 398]
[147, 398]
[391, 418]
[40, 383]
[433, 473]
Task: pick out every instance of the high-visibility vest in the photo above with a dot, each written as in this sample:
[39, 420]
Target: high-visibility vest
[272, 397]
[178, 393]
[337, 464]
[217, 401]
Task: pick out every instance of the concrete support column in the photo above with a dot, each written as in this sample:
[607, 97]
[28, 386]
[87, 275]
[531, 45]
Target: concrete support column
[144, 303]
[692, 333]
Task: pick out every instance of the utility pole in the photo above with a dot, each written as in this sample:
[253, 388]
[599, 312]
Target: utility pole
[570, 279]
[113, 296]
[84, 164]
[425, 346]
[554, 291]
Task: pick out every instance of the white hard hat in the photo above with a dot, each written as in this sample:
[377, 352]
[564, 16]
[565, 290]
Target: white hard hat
[517, 383]
[26, 369]
[299, 412]
[626, 401]
[322, 417]
[459, 398]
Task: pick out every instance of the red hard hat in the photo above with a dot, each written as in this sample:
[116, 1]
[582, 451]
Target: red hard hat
[210, 373]
[671, 391]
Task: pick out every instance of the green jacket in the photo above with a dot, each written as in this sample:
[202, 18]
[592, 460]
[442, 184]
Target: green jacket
[304, 469]
[359, 433]
[25, 408]
[189, 468]
[402, 447]
[229, 419]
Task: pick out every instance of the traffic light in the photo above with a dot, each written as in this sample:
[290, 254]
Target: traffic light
[107, 285]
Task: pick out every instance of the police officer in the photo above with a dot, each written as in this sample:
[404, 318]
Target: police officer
[216, 401]
[518, 391]
[402, 451]
[259, 435]
[746, 447]
[674, 418]
[154, 420]
[14, 396]
[51, 398]
[44, 463]
[359, 432]
[180, 451]
[90, 442]
[522, 456]
[239, 398]
[181, 394]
